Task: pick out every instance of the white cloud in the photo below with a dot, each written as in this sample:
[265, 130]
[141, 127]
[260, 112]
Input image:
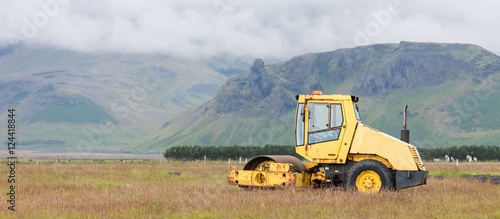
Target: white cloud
[276, 29]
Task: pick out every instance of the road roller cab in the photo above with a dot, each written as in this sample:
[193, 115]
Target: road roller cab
[340, 149]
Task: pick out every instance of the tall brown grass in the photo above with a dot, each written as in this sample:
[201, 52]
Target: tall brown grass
[146, 190]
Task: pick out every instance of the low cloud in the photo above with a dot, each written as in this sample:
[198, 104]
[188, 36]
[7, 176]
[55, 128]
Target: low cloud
[278, 29]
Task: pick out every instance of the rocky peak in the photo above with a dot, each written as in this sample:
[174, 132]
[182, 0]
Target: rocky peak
[259, 80]
[376, 70]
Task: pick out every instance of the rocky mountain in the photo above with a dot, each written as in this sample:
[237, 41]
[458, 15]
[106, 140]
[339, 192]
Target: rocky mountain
[69, 99]
[451, 90]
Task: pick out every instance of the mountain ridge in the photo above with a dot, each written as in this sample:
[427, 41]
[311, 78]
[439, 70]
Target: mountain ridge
[383, 75]
[75, 92]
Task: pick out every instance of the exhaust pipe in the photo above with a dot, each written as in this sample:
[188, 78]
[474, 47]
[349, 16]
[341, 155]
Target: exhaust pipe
[405, 133]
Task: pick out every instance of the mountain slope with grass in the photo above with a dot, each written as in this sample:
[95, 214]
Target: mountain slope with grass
[92, 101]
[451, 90]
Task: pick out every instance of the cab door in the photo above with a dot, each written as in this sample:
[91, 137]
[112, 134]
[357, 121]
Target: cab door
[325, 129]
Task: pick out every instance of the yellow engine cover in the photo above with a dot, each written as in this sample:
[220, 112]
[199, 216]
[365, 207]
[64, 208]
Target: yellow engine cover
[401, 155]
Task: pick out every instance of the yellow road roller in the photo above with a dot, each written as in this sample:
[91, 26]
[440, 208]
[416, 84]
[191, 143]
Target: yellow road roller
[341, 150]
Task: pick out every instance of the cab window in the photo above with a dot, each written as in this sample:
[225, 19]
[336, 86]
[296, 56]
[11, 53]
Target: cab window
[318, 116]
[299, 126]
[356, 111]
[324, 122]
[336, 118]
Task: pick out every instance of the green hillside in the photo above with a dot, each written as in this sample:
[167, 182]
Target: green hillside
[72, 109]
[451, 90]
[60, 95]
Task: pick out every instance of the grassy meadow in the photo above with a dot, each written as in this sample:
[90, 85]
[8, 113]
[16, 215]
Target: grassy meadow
[146, 190]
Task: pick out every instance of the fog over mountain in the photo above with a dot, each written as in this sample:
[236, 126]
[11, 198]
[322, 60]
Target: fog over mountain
[278, 29]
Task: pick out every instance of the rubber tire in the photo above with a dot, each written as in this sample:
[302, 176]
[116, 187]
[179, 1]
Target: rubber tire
[385, 174]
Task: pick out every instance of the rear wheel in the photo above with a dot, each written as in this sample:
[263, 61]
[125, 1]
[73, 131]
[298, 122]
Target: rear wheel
[370, 176]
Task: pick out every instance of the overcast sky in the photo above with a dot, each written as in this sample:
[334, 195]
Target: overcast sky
[277, 29]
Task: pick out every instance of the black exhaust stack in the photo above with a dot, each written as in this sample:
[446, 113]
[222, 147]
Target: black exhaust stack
[405, 133]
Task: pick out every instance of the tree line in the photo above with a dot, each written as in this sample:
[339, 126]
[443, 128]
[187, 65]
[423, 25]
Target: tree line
[234, 152]
[482, 152]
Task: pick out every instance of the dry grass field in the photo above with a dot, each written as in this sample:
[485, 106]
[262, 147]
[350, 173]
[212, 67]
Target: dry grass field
[146, 190]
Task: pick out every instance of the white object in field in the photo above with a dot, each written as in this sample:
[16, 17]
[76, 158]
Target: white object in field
[240, 159]
[448, 158]
[229, 160]
[470, 159]
[457, 162]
